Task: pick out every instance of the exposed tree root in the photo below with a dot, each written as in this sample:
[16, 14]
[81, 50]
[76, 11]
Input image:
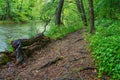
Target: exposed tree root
[76, 59]
[79, 40]
[51, 62]
[84, 68]
[23, 47]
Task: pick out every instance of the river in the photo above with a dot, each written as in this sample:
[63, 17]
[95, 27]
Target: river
[10, 32]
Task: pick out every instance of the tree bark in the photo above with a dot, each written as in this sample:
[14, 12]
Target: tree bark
[58, 13]
[81, 10]
[22, 45]
[91, 10]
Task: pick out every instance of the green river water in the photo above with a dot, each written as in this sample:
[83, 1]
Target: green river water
[10, 32]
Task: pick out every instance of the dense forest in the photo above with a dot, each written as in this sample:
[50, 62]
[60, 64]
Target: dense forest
[99, 18]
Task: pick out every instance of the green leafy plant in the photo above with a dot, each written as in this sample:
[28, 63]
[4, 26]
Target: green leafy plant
[9, 47]
[105, 45]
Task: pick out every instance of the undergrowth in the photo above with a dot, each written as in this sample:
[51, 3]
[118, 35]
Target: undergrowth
[105, 45]
[61, 31]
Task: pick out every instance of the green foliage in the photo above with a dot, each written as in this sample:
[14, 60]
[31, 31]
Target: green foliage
[48, 10]
[107, 9]
[20, 10]
[105, 45]
[70, 18]
[61, 31]
[9, 47]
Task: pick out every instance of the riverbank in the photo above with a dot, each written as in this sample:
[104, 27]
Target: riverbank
[7, 22]
[19, 22]
[9, 32]
[68, 58]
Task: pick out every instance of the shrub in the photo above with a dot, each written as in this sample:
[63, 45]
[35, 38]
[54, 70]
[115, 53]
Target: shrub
[61, 31]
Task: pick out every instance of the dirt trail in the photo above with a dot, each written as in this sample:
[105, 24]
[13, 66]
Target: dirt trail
[75, 64]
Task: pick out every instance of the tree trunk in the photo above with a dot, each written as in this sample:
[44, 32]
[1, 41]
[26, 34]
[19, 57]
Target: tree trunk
[91, 10]
[58, 13]
[81, 10]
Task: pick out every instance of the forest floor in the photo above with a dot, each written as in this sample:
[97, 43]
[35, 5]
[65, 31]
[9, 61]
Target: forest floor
[65, 59]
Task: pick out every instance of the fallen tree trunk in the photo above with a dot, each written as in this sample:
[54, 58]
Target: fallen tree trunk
[21, 45]
[27, 42]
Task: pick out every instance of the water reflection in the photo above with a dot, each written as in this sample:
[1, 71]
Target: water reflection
[17, 31]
